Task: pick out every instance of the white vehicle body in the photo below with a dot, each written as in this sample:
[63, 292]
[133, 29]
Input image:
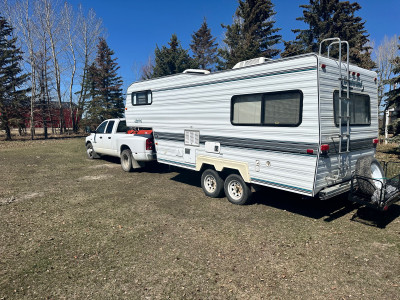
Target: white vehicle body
[212, 120]
[110, 138]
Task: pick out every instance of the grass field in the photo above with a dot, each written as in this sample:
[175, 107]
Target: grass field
[78, 228]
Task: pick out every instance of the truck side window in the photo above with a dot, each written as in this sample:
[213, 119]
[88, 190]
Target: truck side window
[110, 126]
[122, 127]
[101, 127]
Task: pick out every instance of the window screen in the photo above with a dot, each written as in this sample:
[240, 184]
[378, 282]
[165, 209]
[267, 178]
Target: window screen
[269, 109]
[110, 126]
[282, 108]
[101, 127]
[359, 109]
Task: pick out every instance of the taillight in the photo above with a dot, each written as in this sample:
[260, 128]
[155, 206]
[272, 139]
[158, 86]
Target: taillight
[324, 149]
[149, 144]
[375, 141]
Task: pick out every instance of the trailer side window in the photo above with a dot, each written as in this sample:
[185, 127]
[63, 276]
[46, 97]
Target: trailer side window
[142, 98]
[247, 109]
[283, 108]
[269, 109]
[359, 109]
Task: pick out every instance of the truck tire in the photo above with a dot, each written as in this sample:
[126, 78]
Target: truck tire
[236, 190]
[126, 160]
[369, 167]
[90, 152]
[212, 184]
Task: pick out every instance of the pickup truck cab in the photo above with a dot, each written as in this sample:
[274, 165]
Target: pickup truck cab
[111, 138]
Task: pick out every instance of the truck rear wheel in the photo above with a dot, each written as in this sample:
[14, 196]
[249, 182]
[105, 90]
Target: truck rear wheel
[212, 184]
[236, 190]
[370, 168]
[126, 160]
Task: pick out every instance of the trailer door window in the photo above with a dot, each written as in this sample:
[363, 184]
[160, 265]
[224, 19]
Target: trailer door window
[247, 109]
[283, 108]
[359, 109]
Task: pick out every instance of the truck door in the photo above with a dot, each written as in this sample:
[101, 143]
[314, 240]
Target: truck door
[98, 144]
[108, 139]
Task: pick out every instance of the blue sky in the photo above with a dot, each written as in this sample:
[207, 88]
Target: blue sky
[135, 27]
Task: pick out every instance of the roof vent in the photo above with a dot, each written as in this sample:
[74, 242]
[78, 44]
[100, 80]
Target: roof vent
[196, 71]
[250, 62]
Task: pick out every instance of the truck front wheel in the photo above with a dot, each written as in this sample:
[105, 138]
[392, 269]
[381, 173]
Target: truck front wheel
[126, 160]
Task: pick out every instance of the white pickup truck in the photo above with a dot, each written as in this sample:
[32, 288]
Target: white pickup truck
[112, 137]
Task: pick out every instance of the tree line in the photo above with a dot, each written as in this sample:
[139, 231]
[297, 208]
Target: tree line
[52, 61]
[60, 55]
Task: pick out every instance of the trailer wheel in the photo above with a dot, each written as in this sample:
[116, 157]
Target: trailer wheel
[236, 190]
[90, 152]
[370, 168]
[126, 160]
[212, 184]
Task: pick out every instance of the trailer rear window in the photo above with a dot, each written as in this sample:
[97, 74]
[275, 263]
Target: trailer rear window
[268, 109]
[142, 98]
[359, 109]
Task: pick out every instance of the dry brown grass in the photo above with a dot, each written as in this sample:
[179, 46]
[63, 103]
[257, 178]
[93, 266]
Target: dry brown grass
[74, 228]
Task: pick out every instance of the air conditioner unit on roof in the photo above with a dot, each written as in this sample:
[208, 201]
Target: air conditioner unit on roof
[250, 62]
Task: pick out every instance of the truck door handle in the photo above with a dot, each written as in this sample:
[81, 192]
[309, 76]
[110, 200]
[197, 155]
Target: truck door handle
[101, 137]
[109, 137]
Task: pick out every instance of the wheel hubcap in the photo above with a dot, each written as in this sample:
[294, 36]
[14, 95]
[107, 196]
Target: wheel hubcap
[90, 152]
[125, 161]
[210, 183]
[376, 174]
[235, 190]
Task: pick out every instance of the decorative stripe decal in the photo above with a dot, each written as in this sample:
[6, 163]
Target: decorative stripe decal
[260, 144]
[281, 185]
[237, 78]
[176, 162]
[254, 144]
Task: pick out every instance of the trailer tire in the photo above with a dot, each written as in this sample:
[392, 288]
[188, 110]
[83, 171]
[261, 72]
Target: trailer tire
[126, 160]
[236, 190]
[369, 167]
[90, 151]
[212, 184]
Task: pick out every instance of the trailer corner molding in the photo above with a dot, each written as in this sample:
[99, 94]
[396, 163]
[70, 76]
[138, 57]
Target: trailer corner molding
[220, 163]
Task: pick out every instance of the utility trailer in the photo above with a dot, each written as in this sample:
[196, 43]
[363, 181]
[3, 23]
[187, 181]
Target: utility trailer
[306, 124]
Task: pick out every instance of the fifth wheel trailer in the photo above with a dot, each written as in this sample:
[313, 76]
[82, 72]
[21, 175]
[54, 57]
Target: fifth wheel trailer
[306, 124]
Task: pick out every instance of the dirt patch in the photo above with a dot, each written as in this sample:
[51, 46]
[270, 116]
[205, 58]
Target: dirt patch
[95, 177]
[19, 198]
[105, 166]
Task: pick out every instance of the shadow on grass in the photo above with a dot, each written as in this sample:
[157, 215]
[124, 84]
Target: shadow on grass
[371, 217]
[328, 210]
[152, 167]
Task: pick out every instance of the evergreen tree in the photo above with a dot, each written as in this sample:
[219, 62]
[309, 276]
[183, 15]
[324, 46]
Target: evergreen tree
[171, 60]
[204, 47]
[251, 35]
[104, 86]
[393, 96]
[327, 19]
[13, 99]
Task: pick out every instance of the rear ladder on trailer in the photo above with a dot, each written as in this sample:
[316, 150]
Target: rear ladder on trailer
[343, 137]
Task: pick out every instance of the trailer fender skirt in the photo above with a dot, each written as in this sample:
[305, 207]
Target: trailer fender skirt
[220, 163]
